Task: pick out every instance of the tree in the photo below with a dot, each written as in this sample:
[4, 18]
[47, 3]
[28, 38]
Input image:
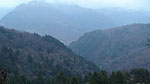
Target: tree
[61, 79]
[23, 80]
[120, 79]
[3, 76]
[117, 78]
[88, 78]
[140, 76]
[74, 80]
[39, 79]
[112, 79]
[30, 59]
[103, 77]
[95, 78]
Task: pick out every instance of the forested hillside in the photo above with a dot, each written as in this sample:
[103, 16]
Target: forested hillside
[120, 48]
[23, 53]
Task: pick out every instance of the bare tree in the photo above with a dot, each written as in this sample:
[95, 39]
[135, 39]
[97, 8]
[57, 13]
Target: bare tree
[3, 76]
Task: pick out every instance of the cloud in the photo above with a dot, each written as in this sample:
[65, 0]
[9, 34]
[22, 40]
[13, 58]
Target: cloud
[11, 3]
[129, 4]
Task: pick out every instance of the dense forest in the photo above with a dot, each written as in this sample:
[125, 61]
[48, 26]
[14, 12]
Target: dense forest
[24, 53]
[34, 59]
[74, 42]
[119, 48]
[29, 59]
[135, 76]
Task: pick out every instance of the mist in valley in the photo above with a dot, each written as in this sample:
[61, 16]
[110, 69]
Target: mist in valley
[75, 41]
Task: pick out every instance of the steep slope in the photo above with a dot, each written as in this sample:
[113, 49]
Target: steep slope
[68, 22]
[28, 54]
[64, 22]
[4, 12]
[116, 48]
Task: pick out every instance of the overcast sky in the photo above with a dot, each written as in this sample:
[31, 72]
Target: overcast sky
[129, 4]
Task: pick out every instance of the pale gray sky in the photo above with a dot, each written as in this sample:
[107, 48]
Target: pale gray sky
[129, 4]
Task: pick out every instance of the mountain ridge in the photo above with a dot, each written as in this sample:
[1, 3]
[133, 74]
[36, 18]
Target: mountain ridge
[63, 22]
[27, 53]
[112, 47]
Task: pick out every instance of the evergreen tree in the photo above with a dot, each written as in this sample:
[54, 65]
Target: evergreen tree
[95, 78]
[112, 79]
[136, 76]
[74, 80]
[88, 78]
[120, 79]
[140, 76]
[30, 59]
[103, 77]
[148, 43]
[61, 79]
[117, 78]
[40, 79]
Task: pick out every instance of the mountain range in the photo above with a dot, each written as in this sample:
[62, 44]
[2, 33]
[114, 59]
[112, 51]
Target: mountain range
[64, 22]
[119, 48]
[67, 22]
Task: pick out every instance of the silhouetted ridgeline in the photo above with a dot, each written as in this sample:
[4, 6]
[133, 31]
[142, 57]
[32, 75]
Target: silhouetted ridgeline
[29, 54]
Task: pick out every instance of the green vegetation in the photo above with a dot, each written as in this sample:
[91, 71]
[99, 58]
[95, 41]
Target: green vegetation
[135, 76]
